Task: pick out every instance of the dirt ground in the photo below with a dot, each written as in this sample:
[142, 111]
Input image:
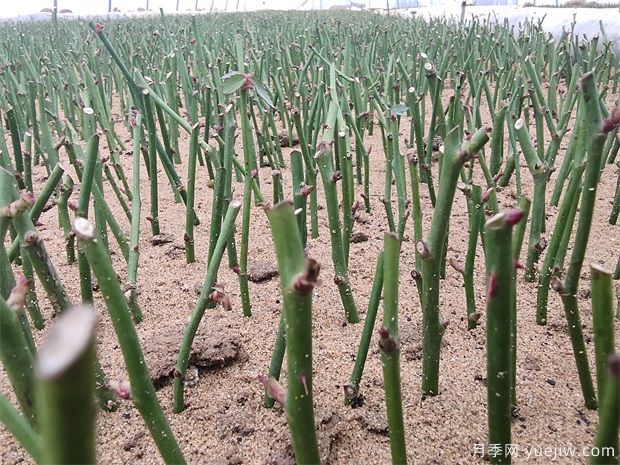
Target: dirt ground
[226, 422]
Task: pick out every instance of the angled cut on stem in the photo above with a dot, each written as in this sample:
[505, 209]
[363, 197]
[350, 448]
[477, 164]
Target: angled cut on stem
[65, 371]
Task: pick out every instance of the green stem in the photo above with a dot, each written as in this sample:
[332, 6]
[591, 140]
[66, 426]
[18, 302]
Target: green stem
[602, 322]
[500, 270]
[142, 391]
[21, 430]
[568, 290]
[329, 176]
[190, 256]
[249, 157]
[39, 204]
[351, 390]
[569, 204]
[33, 246]
[389, 343]
[134, 241]
[298, 276]
[17, 358]
[474, 205]
[65, 371]
[606, 441]
[201, 305]
[430, 251]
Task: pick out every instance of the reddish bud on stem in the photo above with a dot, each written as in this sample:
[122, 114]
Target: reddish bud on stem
[273, 388]
[17, 298]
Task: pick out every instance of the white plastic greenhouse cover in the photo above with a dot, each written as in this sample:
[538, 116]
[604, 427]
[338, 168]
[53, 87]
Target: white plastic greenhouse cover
[554, 20]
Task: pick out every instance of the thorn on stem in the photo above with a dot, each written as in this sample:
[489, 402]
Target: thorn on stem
[492, 286]
[303, 379]
[457, 265]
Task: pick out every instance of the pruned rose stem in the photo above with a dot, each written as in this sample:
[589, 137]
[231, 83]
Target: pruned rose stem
[351, 390]
[324, 159]
[86, 186]
[65, 392]
[539, 172]
[601, 285]
[455, 155]
[136, 211]
[144, 396]
[34, 248]
[311, 171]
[201, 305]
[609, 417]
[249, 160]
[563, 225]
[476, 214]
[595, 140]
[517, 242]
[299, 199]
[16, 424]
[500, 271]
[298, 276]
[389, 343]
[497, 141]
[39, 204]
[66, 189]
[223, 187]
[277, 356]
[152, 161]
[190, 256]
[17, 358]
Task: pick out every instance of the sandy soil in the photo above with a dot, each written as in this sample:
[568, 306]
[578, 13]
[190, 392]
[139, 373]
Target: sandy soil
[226, 422]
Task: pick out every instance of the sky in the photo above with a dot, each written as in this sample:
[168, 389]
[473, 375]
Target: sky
[13, 8]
